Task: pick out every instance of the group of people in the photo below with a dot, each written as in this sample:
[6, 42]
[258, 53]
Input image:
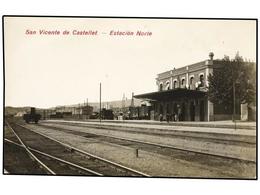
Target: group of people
[171, 117]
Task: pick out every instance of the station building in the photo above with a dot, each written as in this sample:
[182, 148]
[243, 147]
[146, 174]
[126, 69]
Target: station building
[182, 95]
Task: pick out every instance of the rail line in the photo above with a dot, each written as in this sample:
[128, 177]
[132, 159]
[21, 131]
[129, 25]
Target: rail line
[30, 153]
[145, 145]
[57, 159]
[117, 169]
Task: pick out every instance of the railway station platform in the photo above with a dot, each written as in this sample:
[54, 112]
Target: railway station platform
[219, 127]
[211, 124]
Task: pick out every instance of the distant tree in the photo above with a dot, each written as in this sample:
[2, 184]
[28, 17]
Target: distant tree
[233, 73]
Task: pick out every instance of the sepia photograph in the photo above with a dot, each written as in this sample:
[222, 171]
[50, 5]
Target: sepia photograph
[130, 97]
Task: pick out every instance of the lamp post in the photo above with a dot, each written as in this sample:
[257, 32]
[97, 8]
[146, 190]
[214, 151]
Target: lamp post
[100, 102]
[234, 95]
[234, 102]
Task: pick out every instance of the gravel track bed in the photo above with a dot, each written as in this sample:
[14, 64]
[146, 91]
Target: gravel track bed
[187, 143]
[183, 163]
[44, 144]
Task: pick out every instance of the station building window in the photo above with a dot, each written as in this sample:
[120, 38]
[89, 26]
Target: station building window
[183, 83]
[202, 82]
[192, 82]
[174, 84]
[161, 87]
[168, 85]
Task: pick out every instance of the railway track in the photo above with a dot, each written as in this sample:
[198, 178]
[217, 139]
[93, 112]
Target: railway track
[64, 168]
[38, 166]
[51, 164]
[235, 167]
[17, 161]
[62, 159]
[166, 150]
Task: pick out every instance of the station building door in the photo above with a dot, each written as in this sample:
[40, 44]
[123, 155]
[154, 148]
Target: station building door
[202, 110]
[192, 111]
[183, 112]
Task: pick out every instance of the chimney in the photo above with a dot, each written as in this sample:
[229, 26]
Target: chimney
[211, 55]
[33, 111]
[132, 101]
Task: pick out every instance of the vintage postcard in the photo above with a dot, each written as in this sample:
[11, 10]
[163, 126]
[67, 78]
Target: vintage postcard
[130, 97]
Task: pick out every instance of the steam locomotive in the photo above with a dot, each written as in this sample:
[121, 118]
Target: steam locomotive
[32, 116]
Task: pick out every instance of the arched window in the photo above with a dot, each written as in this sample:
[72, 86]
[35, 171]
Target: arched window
[174, 84]
[201, 81]
[168, 85]
[191, 82]
[161, 87]
[183, 83]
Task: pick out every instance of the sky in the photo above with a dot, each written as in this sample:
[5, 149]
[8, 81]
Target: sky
[49, 70]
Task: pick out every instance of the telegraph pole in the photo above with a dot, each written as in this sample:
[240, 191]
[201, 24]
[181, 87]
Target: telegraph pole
[233, 88]
[234, 101]
[100, 102]
[234, 81]
[79, 111]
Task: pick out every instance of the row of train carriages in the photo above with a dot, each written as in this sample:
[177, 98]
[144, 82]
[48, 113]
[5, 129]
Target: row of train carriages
[127, 113]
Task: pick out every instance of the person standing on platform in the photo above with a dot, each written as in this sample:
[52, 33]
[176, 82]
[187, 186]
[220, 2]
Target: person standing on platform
[168, 117]
[161, 117]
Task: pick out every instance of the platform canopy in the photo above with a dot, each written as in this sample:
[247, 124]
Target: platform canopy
[172, 94]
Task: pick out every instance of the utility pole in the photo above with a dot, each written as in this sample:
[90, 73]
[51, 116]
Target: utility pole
[234, 81]
[100, 102]
[234, 92]
[87, 111]
[79, 111]
[234, 100]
